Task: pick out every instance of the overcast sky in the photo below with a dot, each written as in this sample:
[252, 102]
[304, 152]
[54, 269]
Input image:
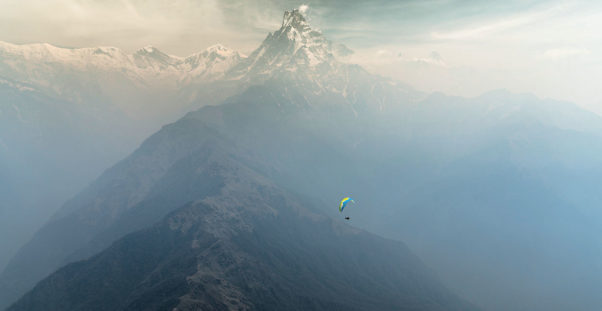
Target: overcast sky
[550, 48]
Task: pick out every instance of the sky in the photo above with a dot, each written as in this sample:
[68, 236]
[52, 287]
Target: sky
[549, 48]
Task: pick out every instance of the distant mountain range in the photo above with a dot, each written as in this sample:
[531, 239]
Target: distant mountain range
[40, 63]
[136, 85]
[70, 113]
[77, 73]
[496, 193]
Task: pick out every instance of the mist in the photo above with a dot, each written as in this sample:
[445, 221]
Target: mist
[548, 48]
[466, 132]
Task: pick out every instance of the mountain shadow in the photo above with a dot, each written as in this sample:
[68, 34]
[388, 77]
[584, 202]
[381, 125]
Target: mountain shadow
[249, 245]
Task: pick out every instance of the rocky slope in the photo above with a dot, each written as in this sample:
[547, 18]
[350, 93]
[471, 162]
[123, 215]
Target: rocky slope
[496, 192]
[248, 245]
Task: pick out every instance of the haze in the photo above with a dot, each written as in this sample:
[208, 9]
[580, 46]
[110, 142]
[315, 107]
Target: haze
[550, 48]
[474, 162]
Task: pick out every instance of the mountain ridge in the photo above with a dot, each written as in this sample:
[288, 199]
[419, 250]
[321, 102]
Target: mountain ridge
[294, 49]
[432, 169]
[146, 63]
[249, 246]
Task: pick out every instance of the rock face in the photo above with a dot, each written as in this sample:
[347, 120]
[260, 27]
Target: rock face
[295, 47]
[248, 245]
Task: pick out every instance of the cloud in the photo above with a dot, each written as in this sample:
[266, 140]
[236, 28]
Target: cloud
[392, 56]
[509, 43]
[560, 53]
[179, 27]
[488, 28]
[434, 59]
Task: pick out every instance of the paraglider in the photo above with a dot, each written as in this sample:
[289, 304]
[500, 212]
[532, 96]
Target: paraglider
[344, 203]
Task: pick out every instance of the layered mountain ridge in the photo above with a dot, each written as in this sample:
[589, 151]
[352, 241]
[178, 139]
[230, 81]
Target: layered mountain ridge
[324, 83]
[501, 180]
[247, 245]
[101, 94]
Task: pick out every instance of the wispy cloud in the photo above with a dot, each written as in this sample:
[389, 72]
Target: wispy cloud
[434, 59]
[393, 56]
[560, 53]
[177, 26]
[488, 28]
[303, 8]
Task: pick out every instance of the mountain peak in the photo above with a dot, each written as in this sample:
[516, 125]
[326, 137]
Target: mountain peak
[217, 47]
[149, 50]
[295, 19]
[220, 50]
[295, 47]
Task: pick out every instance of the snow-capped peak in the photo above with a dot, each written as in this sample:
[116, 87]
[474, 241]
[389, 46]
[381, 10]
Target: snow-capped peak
[152, 51]
[295, 47]
[39, 64]
[296, 29]
[295, 19]
[151, 57]
[148, 49]
[213, 62]
[218, 48]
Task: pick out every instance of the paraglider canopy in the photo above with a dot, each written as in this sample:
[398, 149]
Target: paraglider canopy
[344, 203]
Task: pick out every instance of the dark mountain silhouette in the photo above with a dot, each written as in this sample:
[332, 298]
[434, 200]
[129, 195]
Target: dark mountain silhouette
[248, 245]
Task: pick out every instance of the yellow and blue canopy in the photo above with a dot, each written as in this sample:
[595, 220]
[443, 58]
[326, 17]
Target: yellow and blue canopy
[344, 203]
